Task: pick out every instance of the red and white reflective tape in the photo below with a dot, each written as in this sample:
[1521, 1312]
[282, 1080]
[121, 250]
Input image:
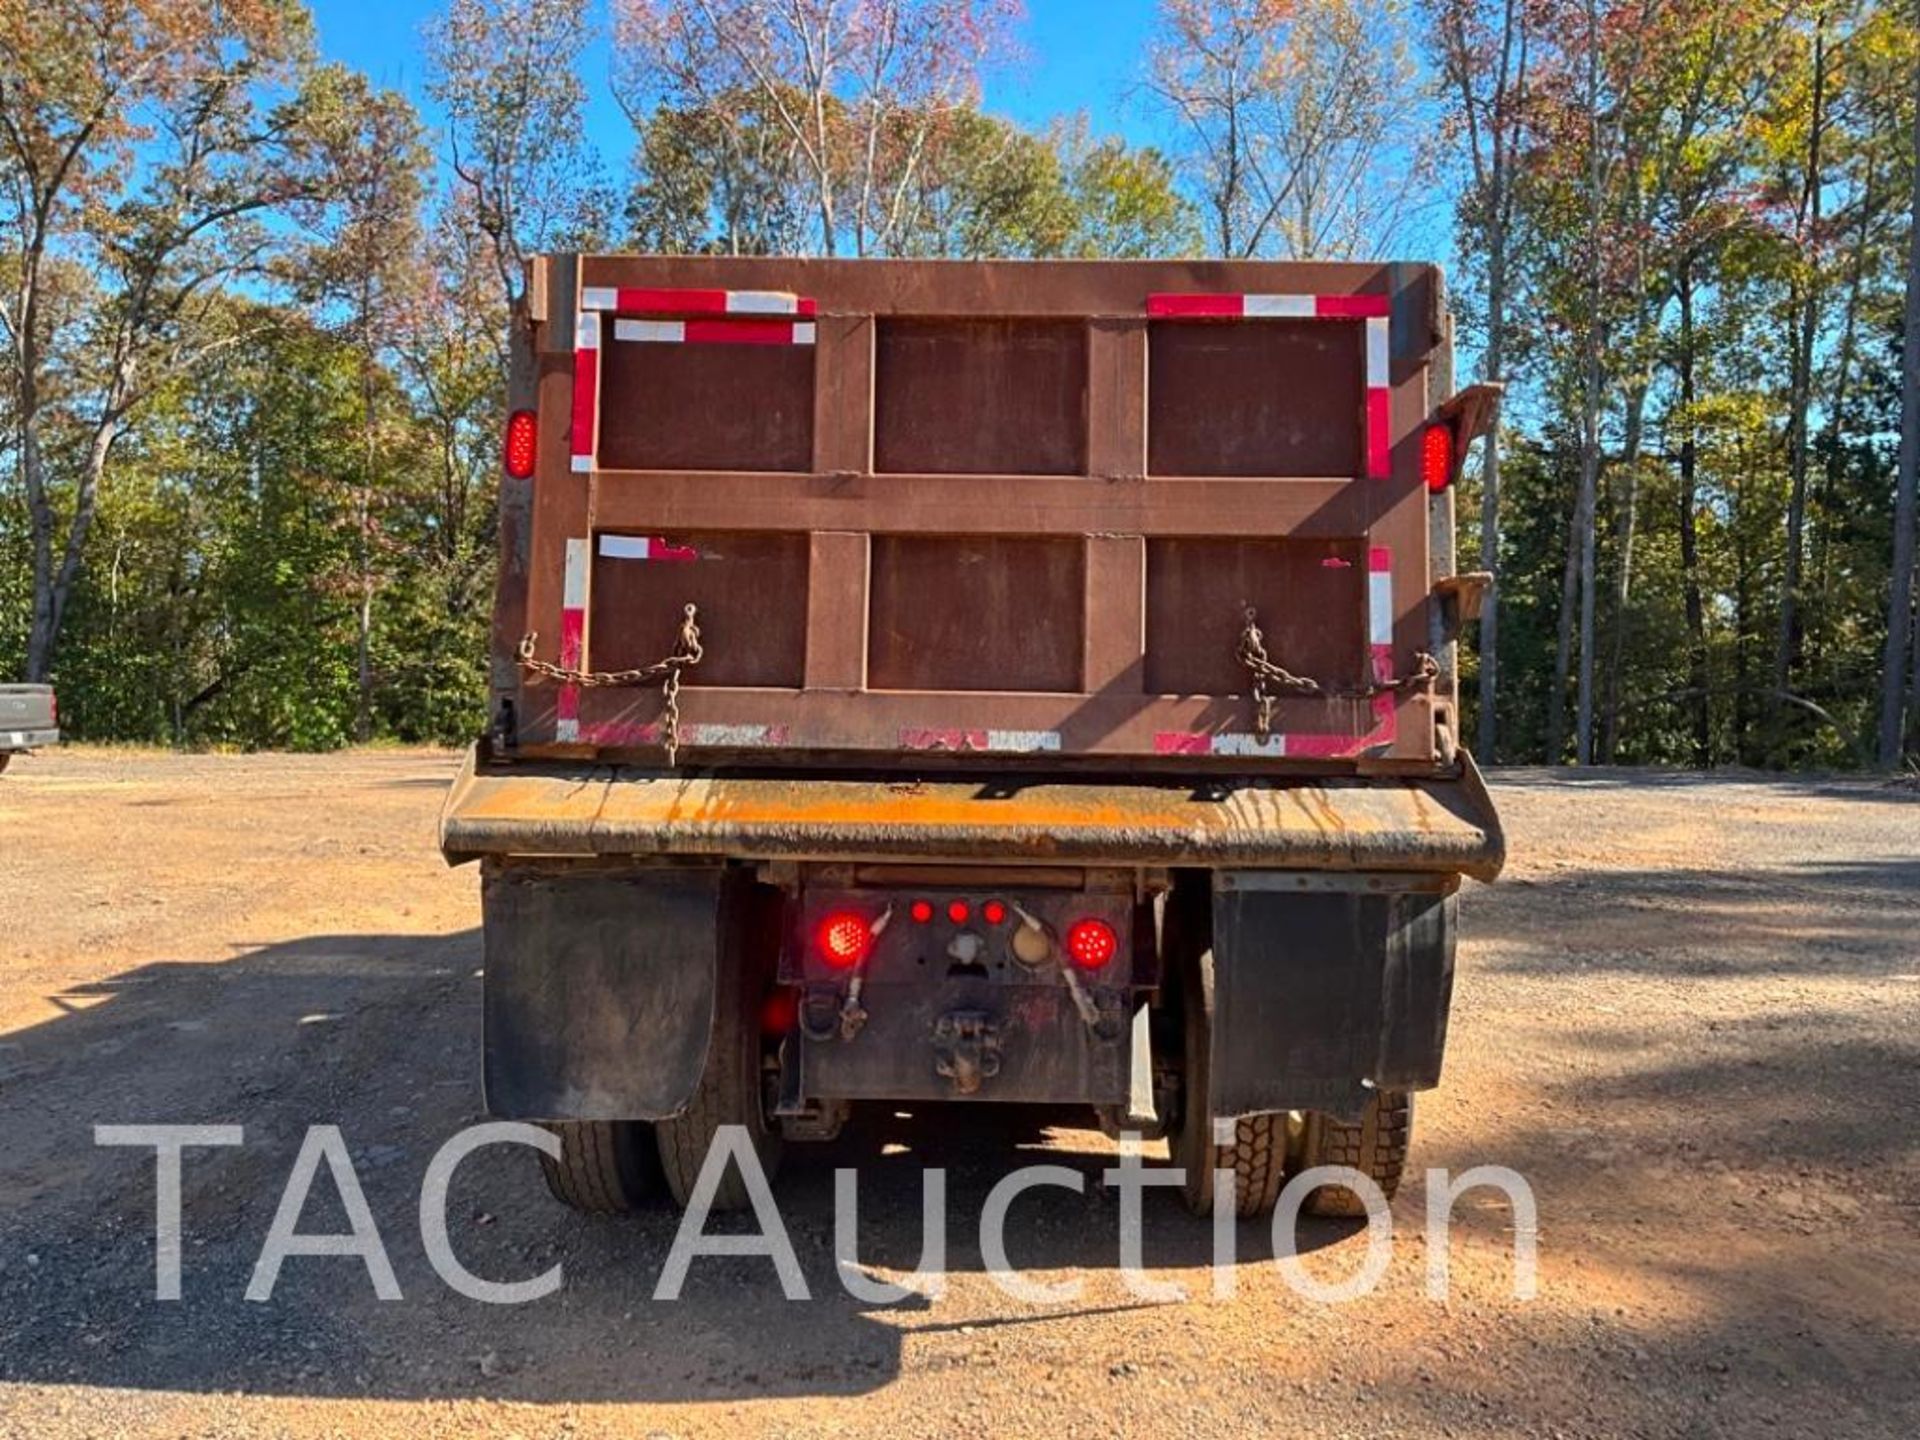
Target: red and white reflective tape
[573, 637]
[586, 391]
[625, 734]
[1007, 742]
[628, 301]
[1314, 745]
[715, 332]
[644, 547]
[1375, 310]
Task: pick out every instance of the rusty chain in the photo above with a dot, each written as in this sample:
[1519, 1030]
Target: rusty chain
[687, 653]
[1252, 653]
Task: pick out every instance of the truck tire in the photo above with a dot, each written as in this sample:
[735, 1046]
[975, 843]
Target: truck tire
[1257, 1155]
[732, 1088]
[5, 756]
[1376, 1147]
[606, 1167]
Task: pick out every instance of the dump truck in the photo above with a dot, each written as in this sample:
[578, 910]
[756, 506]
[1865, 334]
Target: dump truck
[29, 720]
[938, 682]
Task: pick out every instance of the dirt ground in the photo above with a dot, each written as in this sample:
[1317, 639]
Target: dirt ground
[1688, 1015]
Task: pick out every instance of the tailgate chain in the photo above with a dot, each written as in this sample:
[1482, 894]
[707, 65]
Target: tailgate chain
[1252, 653]
[666, 673]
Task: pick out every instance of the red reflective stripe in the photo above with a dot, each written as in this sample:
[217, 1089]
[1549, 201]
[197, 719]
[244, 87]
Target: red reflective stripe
[1379, 558]
[586, 388]
[1196, 305]
[1379, 434]
[1179, 742]
[740, 332]
[673, 302]
[1352, 307]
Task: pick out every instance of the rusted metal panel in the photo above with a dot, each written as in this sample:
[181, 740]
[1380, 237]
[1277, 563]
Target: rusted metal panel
[1255, 399]
[980, 397]
[706, 406]
[750, 589]
[976, 613]
[1411, 825]
[1310, 596]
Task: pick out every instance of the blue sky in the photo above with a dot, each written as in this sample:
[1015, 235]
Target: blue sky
[1080, 55]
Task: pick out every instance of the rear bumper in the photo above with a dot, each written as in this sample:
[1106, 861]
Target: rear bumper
[1374, 824]
[11, 740]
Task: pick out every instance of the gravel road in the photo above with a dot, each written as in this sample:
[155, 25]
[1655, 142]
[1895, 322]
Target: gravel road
[1689, 1015]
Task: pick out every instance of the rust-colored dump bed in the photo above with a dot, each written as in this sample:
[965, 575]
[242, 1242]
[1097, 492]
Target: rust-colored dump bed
[929, 512]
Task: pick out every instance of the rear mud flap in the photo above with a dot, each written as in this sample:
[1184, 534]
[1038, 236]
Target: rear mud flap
[1327, 987]
[599, 989]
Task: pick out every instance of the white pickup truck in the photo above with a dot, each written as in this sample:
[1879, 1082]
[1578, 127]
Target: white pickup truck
[29, 720]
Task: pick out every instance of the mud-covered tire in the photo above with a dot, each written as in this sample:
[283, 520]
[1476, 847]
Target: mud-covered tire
[606, 1167]
[1376, 1147]
[1257, 1155]
[732, 1088]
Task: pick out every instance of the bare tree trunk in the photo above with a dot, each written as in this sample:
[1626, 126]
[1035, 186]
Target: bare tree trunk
[1590, 396]
[1697, 674]
[1806, 322]
[1563, 648]
[1623, 576]
[1900, 597]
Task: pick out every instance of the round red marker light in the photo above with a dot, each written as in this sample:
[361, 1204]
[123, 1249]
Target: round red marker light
[844, 940]
[993, 912]
[1092, 943]
[921, 911]
[958, 911]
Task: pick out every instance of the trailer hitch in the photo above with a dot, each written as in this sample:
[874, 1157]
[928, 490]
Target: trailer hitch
[966, 1049]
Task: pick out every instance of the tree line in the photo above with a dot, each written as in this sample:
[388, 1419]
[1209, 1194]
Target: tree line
[255, 313]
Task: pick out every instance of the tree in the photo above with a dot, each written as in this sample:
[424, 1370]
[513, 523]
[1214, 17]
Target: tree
[862, 90]
[1900, 623]
[141, 145]
[1297, 121]
[1484, 52]
[507, 73]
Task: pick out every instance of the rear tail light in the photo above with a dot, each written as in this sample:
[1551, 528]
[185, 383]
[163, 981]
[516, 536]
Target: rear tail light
[994, 913]
[779, 1012]
[522, 444]
[958, 911]
[844, 939]
[922, 911]
[1091, 943]
[1436, 457]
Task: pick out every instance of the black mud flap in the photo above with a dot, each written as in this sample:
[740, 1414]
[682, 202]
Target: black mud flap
[1327, 986]
[599, 989]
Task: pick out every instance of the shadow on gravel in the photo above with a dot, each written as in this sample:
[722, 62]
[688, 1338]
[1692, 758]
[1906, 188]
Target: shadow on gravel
[1801, 920]
[1704, 782]
[378, 1034]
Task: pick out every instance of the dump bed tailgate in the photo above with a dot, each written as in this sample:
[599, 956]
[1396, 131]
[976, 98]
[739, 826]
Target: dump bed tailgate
[1390, 825]
[1022, 511]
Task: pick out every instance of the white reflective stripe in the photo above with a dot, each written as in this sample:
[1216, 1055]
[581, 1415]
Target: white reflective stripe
[574, 591]
[1273, 747]
[722, 736]
[1279, 307]
[1379, 367]
[1023, 740]
[653, 332]
[586, 333]
[1380, 607]
[583, 464]
[626, 547]
[566, 731]
[761, 302]
[803, 333]
[599, 297]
